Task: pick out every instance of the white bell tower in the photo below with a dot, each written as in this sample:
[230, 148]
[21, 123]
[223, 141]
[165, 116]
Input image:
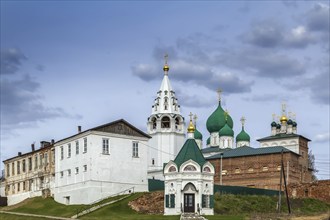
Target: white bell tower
[166, 126]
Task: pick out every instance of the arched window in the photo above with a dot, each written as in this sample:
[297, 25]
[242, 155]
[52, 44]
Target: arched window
[207, 169]
[154, 123]
[166, 122]
[177, 123]
[166, 103]
[190, 168]
[250, 170]
[172, 169]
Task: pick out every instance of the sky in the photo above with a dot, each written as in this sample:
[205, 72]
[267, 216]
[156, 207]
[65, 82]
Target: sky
[87, 63]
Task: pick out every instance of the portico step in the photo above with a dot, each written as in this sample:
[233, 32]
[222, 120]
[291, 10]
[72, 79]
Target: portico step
[191, 216]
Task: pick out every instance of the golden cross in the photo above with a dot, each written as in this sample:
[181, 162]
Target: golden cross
[190, 115]
[243, 120]
[166, 57]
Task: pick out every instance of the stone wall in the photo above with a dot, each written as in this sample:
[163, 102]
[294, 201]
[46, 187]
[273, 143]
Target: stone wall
[318, 190]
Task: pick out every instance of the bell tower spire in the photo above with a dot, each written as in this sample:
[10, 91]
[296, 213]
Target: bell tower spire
[166, 126]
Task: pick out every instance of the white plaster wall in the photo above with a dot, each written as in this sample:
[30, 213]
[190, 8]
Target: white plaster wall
[17, 198]
[289, 143]
[106, 174]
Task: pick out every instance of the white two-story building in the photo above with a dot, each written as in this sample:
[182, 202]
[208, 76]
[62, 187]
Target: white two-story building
[100, 162]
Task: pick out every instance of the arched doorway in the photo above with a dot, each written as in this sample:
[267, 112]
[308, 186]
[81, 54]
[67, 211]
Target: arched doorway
[189, 192]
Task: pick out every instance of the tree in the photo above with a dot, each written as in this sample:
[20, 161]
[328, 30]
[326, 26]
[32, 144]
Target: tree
[311, 165]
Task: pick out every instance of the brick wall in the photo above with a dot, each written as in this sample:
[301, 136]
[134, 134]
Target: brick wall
[318, 190]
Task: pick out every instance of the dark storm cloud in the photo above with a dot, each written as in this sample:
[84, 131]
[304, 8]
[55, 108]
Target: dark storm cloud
[290, 3]
[11, 60]
[318, 17]
[196, 101]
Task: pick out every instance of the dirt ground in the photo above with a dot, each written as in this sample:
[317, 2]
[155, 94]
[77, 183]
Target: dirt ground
[150, 203]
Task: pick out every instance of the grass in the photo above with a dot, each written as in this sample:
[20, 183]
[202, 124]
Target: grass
[249, 204]
[226, 207]
[18, 217]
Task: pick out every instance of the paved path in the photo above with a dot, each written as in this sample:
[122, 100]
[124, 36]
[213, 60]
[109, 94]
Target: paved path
[191, 216]
[97, 207]
[34, 215]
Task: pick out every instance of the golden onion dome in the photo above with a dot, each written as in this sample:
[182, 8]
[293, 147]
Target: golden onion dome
[166, 68]
[191, 127]
[284, 119]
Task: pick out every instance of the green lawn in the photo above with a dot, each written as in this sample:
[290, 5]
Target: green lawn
[18, 217]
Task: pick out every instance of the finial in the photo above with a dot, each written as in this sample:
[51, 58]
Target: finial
[294, 116]
[243, 121]
[166, 68]
[274, 116]
[283, 108]
[219, 91]
[191, 128]
[195, 119]
[290, 114]
[283, 119]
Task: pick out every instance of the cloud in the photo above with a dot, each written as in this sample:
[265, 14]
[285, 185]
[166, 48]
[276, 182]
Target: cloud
[321, 138]
[290, 3]
[318, 17]
[195, 101]
[11, 60]
[271, 34]
[262, 63]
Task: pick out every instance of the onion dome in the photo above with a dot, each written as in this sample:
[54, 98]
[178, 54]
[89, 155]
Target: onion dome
[283, 119]
[217, 120]
[294, 124]
[278, 126]
[166, 68]
[226, 131]
[243, 136]
[273, 124]
[290, 122]
[191, 127]
[208, 141]
[198, 135]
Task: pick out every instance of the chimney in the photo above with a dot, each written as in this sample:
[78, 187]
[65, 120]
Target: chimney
[79, 129]
[52, 141]
[19, 153]
[32, 147]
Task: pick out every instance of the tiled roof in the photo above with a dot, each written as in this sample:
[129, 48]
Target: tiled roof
[190, 150]
[250, 151]
[278, 136]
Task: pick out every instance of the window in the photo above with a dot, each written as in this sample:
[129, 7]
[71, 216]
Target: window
[135, 149]
[77, 170]
[105, 146]
[18, 167]
[172, 169]
[12, 168]
[8, 169]
[250, 169]
[61, 174]
[35, 162]
[40, 160]
[85, 168]
[53, 156]
[24, 186]
[224, 172]
[62, 153]
[18, 187]
[23, 166]
[153, 161]
[154, 123]
[165, 122]
[278, 167]
[207, 169]
[77, 147]
[237, 170]
[69, 172]
[85, 145]
[205, 201]
[190, 168]
[170, 201]
[30, 163]
[264, 168]
[46, 159]
[69, 150]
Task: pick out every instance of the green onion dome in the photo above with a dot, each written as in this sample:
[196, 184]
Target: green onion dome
[290, 122]
[273, 124]
[208, 141]
[294, 124]
[243, 136]
[226, 131]
[217, 120]
[198, 135]
[278, 126]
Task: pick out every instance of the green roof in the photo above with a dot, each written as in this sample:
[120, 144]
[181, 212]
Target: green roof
[217, 120]
[208, 141]
[250, 151]
[242, 136]
[226, 131]
[198, 135]
[280, 136]
[214, 149]
[190, 151]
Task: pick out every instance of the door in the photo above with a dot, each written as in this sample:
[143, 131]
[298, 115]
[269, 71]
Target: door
[189, 203]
